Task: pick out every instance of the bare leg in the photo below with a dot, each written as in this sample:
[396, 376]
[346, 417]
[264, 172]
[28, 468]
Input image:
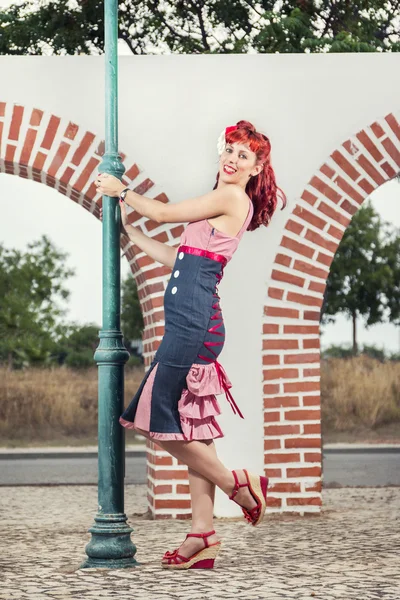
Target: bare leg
[202, 493]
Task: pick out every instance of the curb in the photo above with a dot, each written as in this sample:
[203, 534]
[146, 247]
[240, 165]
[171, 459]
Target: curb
[136, 450]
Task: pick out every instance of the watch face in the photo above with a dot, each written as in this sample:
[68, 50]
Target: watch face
[123, 194]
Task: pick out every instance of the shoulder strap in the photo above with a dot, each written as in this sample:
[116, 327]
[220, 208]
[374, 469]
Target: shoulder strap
[248, 219]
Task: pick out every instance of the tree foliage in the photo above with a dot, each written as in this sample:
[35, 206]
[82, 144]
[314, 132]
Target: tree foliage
[33, 295]
[131, 314]
[203, 26]
[364, 279]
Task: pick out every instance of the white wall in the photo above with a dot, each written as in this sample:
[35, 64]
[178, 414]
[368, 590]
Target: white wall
[172, 109]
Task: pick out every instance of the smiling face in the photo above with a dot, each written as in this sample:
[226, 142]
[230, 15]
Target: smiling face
[237, 164]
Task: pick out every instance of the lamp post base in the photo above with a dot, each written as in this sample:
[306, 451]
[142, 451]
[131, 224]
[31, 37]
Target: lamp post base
[111, 546]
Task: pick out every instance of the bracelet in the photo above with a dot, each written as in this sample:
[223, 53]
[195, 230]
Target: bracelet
[123, 194]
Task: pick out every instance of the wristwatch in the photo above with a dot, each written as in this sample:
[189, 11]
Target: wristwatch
[123, 194]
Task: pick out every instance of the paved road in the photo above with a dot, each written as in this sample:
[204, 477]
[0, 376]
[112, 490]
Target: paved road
[340, 468]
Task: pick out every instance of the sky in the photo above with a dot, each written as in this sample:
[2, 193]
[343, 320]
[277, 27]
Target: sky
[30, 210]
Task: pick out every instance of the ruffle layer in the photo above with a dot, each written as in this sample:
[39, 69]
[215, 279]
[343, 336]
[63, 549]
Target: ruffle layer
[203, 380]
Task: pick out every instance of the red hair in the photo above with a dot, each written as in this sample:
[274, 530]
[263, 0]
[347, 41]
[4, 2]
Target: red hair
[261, 188]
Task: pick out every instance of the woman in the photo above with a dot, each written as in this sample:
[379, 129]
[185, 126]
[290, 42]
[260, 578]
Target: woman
[175, 404]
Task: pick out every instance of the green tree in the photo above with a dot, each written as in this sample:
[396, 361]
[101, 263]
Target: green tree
[33, 295]
[77, 348]
[131, 314]
[364, 275]
[203, 26]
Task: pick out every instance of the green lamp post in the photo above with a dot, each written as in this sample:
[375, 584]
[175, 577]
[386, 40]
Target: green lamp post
[110, 545]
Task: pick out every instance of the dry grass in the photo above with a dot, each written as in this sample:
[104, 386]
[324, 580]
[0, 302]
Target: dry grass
[49, 403]
[359, 392]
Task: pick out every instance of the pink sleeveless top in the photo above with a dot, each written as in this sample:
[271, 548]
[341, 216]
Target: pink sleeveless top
[200, 234]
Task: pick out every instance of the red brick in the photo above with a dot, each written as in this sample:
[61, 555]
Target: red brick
[303, 299]
[297, 247]
[273, 472]
[294, 227]
[281, 401]
[143, 187]
[183, 516]
[272, 417]
[272, 444]
[58, 158]
[170, 474]
[2, 109]
[308, 197]
[150, 225]
[370, 146]
[18, 113]
[345, 165]
[272, 374]
[319, 240]
[303, 442]
[280, 344]
[182, 489]
[334, 214]
[71, 131]
[312, 343]
[86, 174]
[163, 460]
[282, 488]
[315, 286]
[269, 328]
[377, 129]
[274, 502]
[313, 427]
[176, 232]
[296, 359]
[348, 207]
[304, 501]
[311, 315]
[275, 293]
[282, 259]
[10, 153]
[277, 458]
[36, 117]
[301, 329]
[325, 189]
[326, 170]
[349, 190]
[393, 124]
[163, 489]
[276, 311]
[83, 147]
[271, 388]
[28, 146]
[312, 372]
[317, 487]
[51, 131]
[173, 503]
[304, 472]
[388, 170]
[310, 269]
[270, 359]
[335, 232]
[157, 272]
[392, 150]
[301, 386]
[162, 198]
[302, 415]
[366, 186]
[132, 172]
[287, 278]
[274, 430]
[308, 216]
[312, 456]
[370, 169]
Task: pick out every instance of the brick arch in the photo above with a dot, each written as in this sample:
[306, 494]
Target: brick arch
[59, 153]
[291, 355]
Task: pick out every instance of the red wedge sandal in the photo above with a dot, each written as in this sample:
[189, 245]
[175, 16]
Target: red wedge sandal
[204, 559]
[258, 489]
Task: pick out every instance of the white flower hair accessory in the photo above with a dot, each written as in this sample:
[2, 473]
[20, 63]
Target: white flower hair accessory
[221, 143]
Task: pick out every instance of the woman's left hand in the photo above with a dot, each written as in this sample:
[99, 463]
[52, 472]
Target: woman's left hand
[108, 185]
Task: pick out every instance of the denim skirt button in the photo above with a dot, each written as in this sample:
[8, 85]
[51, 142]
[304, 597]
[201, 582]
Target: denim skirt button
[176, 274]
[174, 290]
[181, 255]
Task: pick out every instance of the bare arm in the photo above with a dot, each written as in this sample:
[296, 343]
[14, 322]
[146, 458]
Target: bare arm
[225, 200]
[159, 251]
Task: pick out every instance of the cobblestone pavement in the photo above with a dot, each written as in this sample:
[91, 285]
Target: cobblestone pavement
[350, 551]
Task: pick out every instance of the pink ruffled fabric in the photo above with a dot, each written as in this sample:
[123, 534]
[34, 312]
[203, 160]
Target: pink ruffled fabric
[197, 406]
